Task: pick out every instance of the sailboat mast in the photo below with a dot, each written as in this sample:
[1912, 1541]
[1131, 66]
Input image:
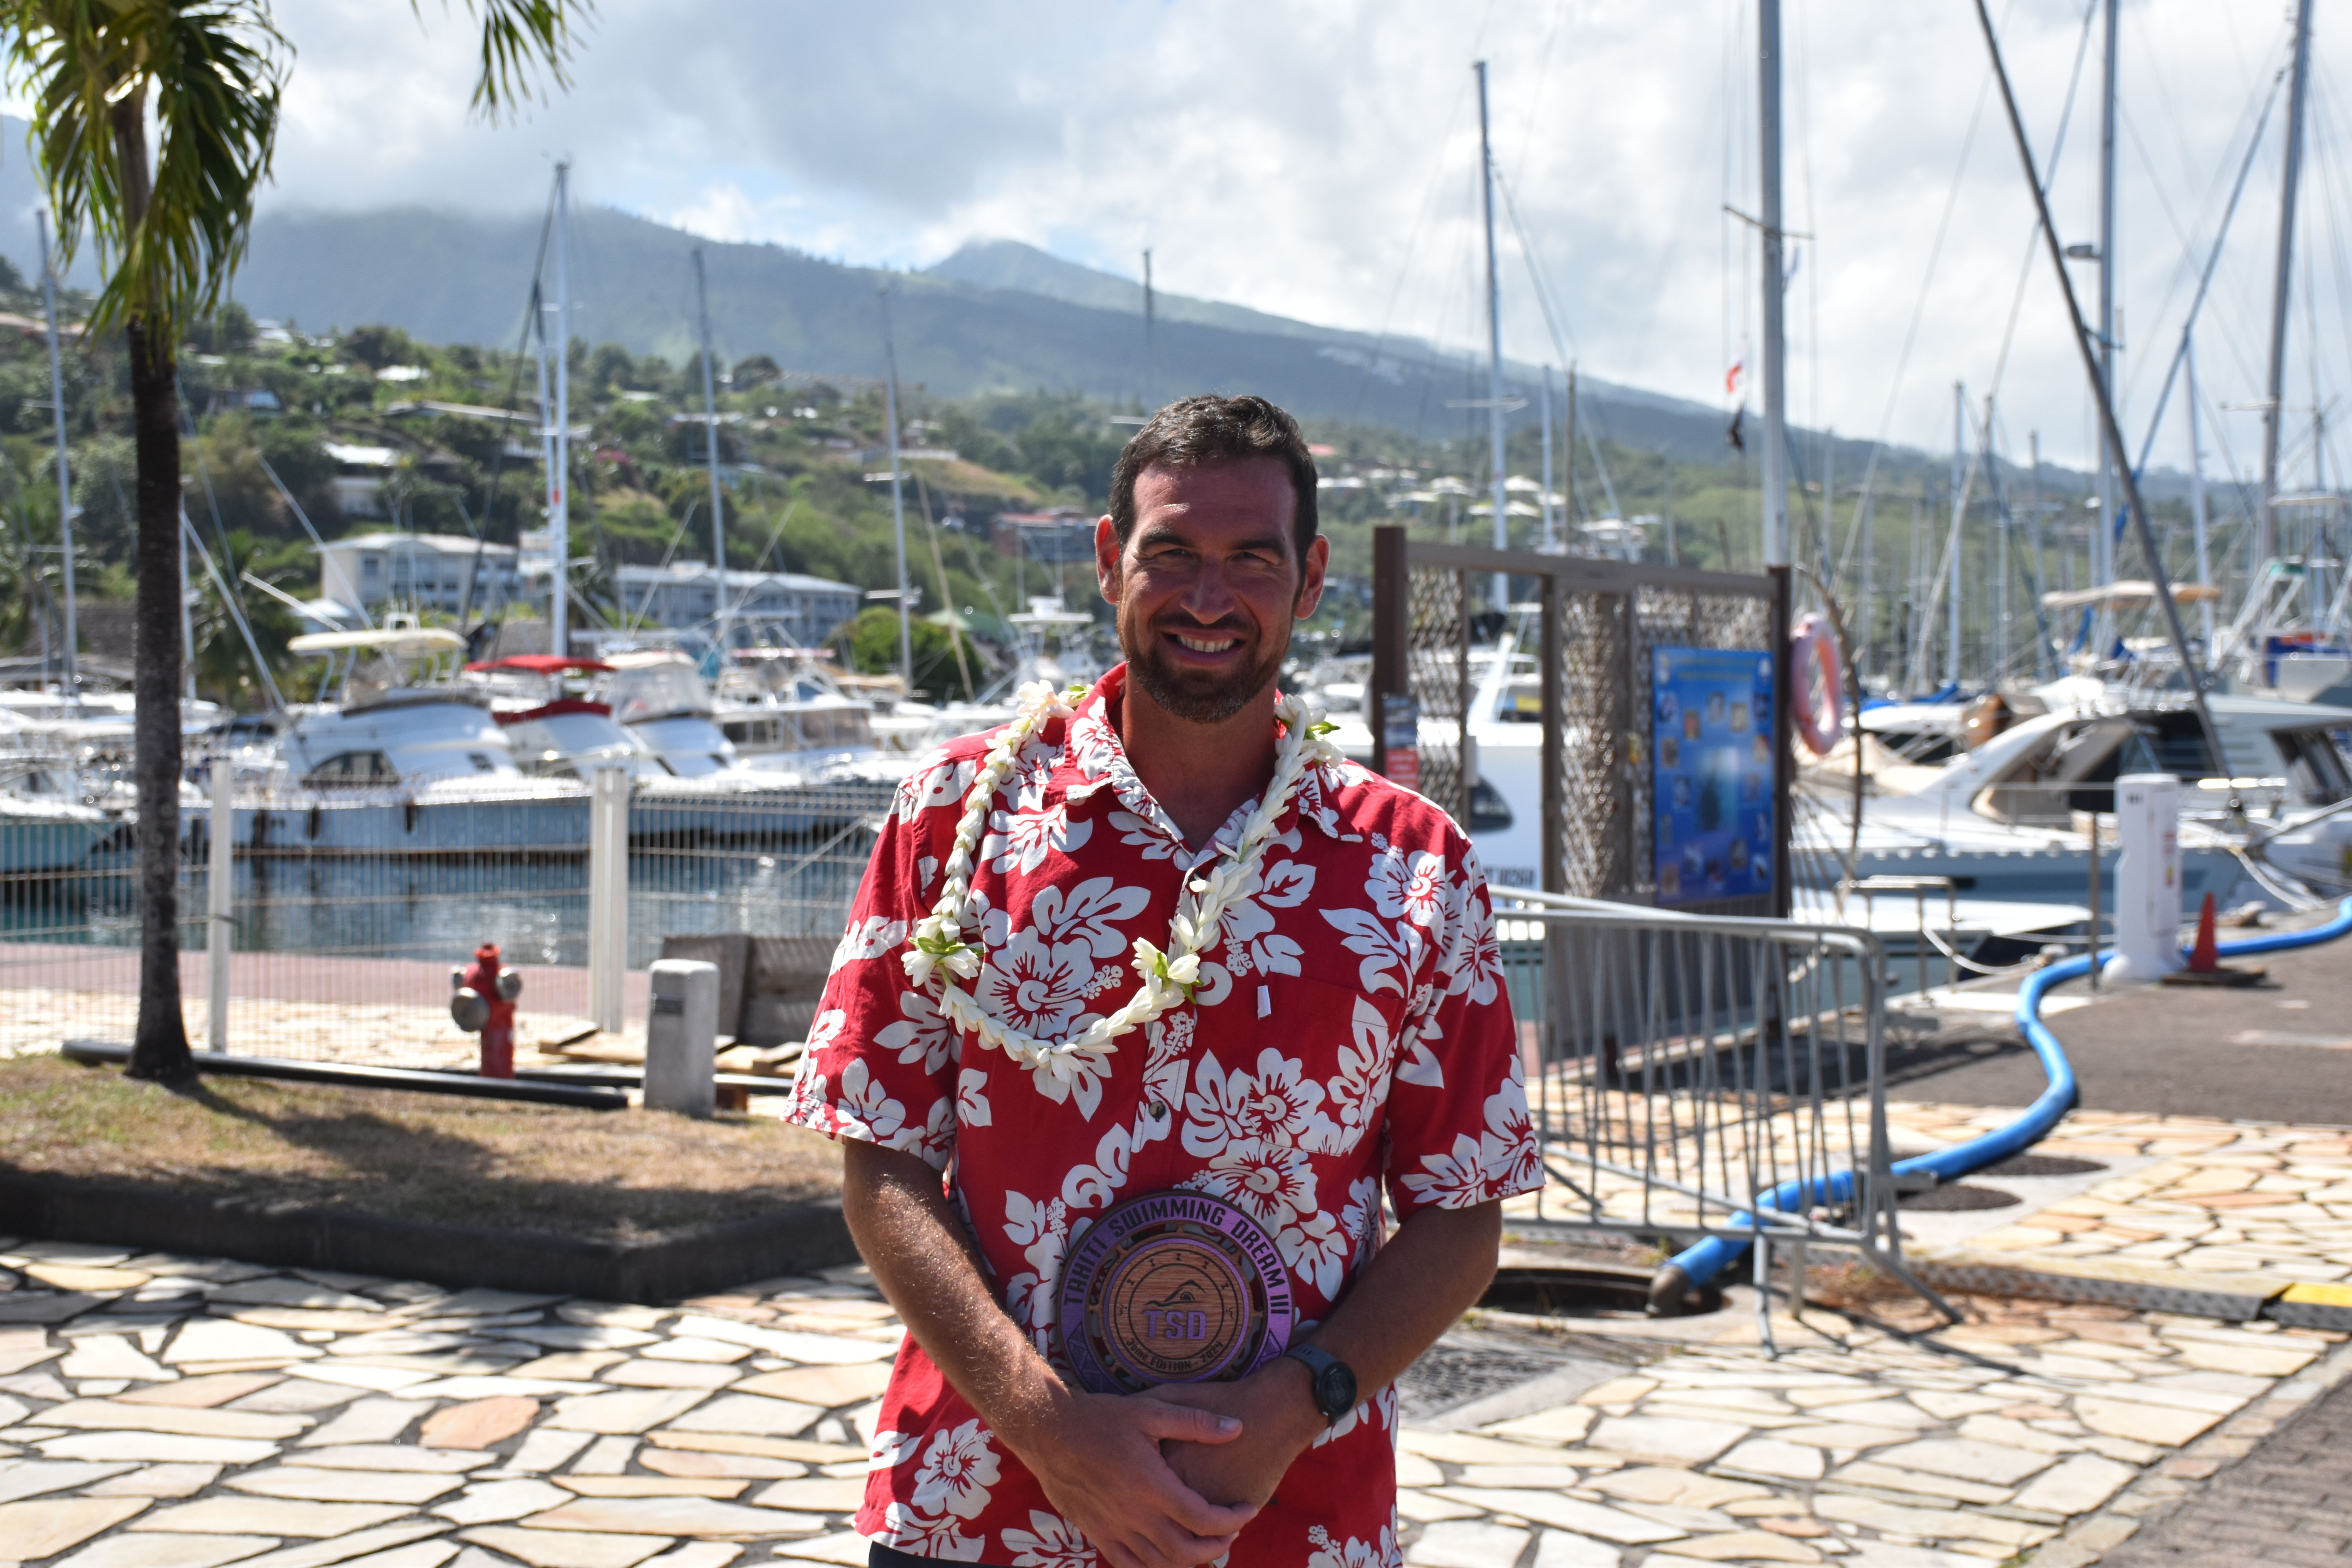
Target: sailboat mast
[1959, 512]
[2103, 536]
[2266, 526]
[1567, 473]
[1775, 393]
[1150, 348]
[2197, 495]
[711, 458]
[1545, 497]
[559, 472]
[898, 493]
[1502, 589]
[65, 484]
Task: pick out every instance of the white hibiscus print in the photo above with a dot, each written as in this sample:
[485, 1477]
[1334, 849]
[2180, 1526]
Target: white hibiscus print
[1474, 957]
[1409, 886]
[865, 1108]
[1271, 1185]
[937, 1536]
[1138, 833]
[1018, 840]
[1316, 1249]
[1276, 1105]
[824, 1029]
[934, 1141]
[890, 1449]
[1050, 1541]
[936, 783]
[1507, 1152]
[958, 1469]
[1380, 1553]
[1037, 989]
[921, 1036]
[972, 1097]
[1361, 1086]
[872, 937]
[1384, 947]
[1453, 1180]
[1089, 912]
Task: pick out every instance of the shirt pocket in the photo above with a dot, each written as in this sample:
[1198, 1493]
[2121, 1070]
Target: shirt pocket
[1303, 1063]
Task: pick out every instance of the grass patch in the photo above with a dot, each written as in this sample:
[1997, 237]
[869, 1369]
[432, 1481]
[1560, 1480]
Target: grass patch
[627, 1175]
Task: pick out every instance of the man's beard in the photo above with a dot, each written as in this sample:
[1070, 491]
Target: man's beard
[1195, 696]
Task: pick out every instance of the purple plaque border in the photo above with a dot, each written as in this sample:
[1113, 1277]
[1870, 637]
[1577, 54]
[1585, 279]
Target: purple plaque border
[1091, 1248]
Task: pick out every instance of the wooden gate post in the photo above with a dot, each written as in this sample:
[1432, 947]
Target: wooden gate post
[1392, 635]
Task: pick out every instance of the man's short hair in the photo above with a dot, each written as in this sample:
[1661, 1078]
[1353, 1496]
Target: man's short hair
[1207, 432]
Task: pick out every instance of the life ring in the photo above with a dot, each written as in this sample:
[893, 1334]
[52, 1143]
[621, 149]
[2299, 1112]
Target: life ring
[1819, 718]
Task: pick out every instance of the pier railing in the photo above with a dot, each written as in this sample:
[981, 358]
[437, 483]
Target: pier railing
[346, 909]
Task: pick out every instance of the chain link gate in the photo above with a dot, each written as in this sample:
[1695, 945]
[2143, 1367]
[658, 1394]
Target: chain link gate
[1683, 1063]
[1597, 623]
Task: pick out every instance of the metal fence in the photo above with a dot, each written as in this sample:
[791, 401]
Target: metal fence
[345, 909]
[1681, 1068]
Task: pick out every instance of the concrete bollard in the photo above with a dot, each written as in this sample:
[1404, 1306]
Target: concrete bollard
[682, 1037]
[2147, 879]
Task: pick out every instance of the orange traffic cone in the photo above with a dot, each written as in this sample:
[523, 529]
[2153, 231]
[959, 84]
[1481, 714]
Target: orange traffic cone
[2205, 958]
[2205, 965]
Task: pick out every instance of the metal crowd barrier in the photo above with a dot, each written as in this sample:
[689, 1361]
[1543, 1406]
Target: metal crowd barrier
[1680, 1067]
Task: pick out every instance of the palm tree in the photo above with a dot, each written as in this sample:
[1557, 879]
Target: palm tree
[153, 125]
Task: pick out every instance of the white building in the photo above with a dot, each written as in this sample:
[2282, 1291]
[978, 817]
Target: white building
[360, 476]
[782, 608]
[419, 571]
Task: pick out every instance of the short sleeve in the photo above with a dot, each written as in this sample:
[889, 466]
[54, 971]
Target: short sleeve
[880, 1065]
[1458, 1129]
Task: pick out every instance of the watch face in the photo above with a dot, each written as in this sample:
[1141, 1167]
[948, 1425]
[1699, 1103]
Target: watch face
[1335, 1390]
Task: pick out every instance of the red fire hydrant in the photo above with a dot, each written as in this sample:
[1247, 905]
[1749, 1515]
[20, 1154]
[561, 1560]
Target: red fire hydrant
[484, 1003]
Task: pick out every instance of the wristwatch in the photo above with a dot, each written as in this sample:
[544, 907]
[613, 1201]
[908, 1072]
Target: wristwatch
[1333, 1381]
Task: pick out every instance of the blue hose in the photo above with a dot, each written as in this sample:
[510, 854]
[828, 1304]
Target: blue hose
[1696, 1265]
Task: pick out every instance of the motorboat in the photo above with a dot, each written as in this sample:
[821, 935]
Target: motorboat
[403, 762]
[555, 734]
[45, 825]
[2010, 818]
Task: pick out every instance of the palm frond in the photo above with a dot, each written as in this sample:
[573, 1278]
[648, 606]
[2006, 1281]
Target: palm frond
[212, 71]
[520, 39]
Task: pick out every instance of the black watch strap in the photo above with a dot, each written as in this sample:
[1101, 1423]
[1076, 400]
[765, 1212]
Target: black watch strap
[1332, 1380]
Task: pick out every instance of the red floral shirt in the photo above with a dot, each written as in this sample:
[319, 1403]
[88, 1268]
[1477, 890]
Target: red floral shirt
[1353, 1037]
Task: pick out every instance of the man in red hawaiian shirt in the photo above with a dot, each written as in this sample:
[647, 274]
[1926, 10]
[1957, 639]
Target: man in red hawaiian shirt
[1345, 1035]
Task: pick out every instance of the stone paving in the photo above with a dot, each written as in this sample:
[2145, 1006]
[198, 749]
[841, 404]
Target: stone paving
[2215, 1196]
[185, 1413]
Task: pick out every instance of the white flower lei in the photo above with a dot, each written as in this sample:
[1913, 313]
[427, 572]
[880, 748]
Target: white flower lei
[939, 949]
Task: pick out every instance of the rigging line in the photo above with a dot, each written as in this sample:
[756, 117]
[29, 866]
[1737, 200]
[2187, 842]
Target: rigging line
[1412, 242]
[1934, 254]
[2204, 285]
[1543, 78]
[2330, 140]
[2033, 234]
[1551, 321]
[2188, 240]
[1862, 510]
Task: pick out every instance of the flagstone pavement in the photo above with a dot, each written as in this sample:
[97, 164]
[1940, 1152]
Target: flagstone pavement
[188, 1412]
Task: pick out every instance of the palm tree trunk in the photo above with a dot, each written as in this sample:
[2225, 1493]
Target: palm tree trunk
[159, 1048]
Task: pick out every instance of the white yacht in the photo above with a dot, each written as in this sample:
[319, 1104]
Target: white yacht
[45, 823]
[404, 761]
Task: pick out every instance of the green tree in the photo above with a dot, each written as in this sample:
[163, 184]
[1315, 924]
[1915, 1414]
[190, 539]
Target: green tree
[169, 208]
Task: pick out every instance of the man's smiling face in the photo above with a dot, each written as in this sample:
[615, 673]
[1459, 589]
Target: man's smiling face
[1209, 583]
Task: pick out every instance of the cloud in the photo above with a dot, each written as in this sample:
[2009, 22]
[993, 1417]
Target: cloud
[1317, 158]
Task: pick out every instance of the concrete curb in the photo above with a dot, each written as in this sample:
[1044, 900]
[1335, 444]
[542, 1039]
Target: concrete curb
[797, 1238]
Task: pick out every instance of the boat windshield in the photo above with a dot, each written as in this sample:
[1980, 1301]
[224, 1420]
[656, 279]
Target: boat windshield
[656, 691]
[571, 745]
